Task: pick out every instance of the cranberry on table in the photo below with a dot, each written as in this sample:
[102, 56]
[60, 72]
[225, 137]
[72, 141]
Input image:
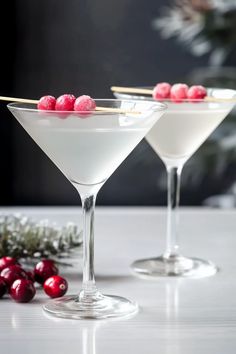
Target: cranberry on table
[6, 262]
[65, 103]
[30, 275]
[44, 270]
[161, 91]
[12, 273]
[22, 290]
[3, 287]
[197, 92]
[55, 286]
[179, 92]
[47, 103]
[84, 103]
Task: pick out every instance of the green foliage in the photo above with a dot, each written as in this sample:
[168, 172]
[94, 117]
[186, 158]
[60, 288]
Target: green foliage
[23, 238]
[202, 26]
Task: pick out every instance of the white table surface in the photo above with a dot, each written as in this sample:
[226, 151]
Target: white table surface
[177, 316]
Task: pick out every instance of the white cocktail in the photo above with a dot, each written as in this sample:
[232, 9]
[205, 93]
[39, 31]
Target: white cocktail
[185, 127]
[175, 138]
[87, 148]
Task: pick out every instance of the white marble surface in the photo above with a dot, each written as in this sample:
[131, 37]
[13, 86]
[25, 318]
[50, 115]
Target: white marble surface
[177, 316]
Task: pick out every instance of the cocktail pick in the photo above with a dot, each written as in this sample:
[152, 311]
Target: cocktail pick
[98, 108]
[143, 91]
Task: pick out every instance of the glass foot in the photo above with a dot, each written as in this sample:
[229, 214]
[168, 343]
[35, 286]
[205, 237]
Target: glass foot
[104, 306]
[178, 266]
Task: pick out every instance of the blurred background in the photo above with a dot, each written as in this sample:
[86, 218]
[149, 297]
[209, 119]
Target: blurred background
[84, 47]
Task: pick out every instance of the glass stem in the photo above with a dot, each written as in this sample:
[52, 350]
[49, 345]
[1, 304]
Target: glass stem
[89, 288]
[172, 246]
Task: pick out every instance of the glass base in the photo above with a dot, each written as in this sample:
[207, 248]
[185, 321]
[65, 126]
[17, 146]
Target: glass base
[177, 266]
[101, 307]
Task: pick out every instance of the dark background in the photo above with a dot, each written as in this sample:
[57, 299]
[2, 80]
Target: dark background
[84, 47]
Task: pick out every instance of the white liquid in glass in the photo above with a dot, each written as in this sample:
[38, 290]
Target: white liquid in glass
[184, 127]
[82, 149]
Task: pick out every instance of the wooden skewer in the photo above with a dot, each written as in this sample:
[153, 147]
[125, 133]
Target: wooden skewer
[142, 91]
[20, 100]
[223, 100]
[115, 110]
[98, 108]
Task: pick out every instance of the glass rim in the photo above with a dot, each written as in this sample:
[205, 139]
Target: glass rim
[156, 107]
[166, 101]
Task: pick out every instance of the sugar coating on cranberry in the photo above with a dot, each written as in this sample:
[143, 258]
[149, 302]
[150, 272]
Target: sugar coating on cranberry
[55, 286]
[12, 273]
[179, 92]
[22, 290]
[3, 287]
[44, 270]
[161, 91]
[6, 262]
[65, 103]
[47, 103]
[197, 92]
[84, 103]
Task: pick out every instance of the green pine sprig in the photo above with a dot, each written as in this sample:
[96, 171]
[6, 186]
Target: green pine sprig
[22, 237]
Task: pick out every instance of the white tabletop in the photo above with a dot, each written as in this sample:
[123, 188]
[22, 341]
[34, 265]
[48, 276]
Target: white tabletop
[177, 316]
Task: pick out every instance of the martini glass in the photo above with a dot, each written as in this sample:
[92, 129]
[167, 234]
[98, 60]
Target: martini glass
[175, 138]
[87, 148]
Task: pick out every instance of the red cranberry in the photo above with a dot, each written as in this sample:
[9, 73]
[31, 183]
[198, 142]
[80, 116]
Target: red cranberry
[6, 262]
[44, 270]
[48, 261]
[161, 91]
[47, 103]
[12, 273]
[65, 103]
[30, 275]
[197, 92]
[55, 286]
[179, 92]
[22, 290]
[84, 103]
[3, 287]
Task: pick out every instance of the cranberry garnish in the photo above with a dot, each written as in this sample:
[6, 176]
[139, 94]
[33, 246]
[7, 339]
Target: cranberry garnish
[44, 269]
[65, 103]
[47, 103]
[12, 273]
[84, 103]
[22, 290]
[55, 286]
[197, 92]
[6, 262]
[161, 91]
[3, 287]
[179, 92]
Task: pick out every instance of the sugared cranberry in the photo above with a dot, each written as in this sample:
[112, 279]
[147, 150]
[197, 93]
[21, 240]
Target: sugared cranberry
[179, 92]
[55, 286]
[161, 91]
[12, 273]
[6, 262]
[197, 92]
[44, 270]
[22, 290]
[47, 103]
[84, 103]
[3, 287]
[65, 103]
